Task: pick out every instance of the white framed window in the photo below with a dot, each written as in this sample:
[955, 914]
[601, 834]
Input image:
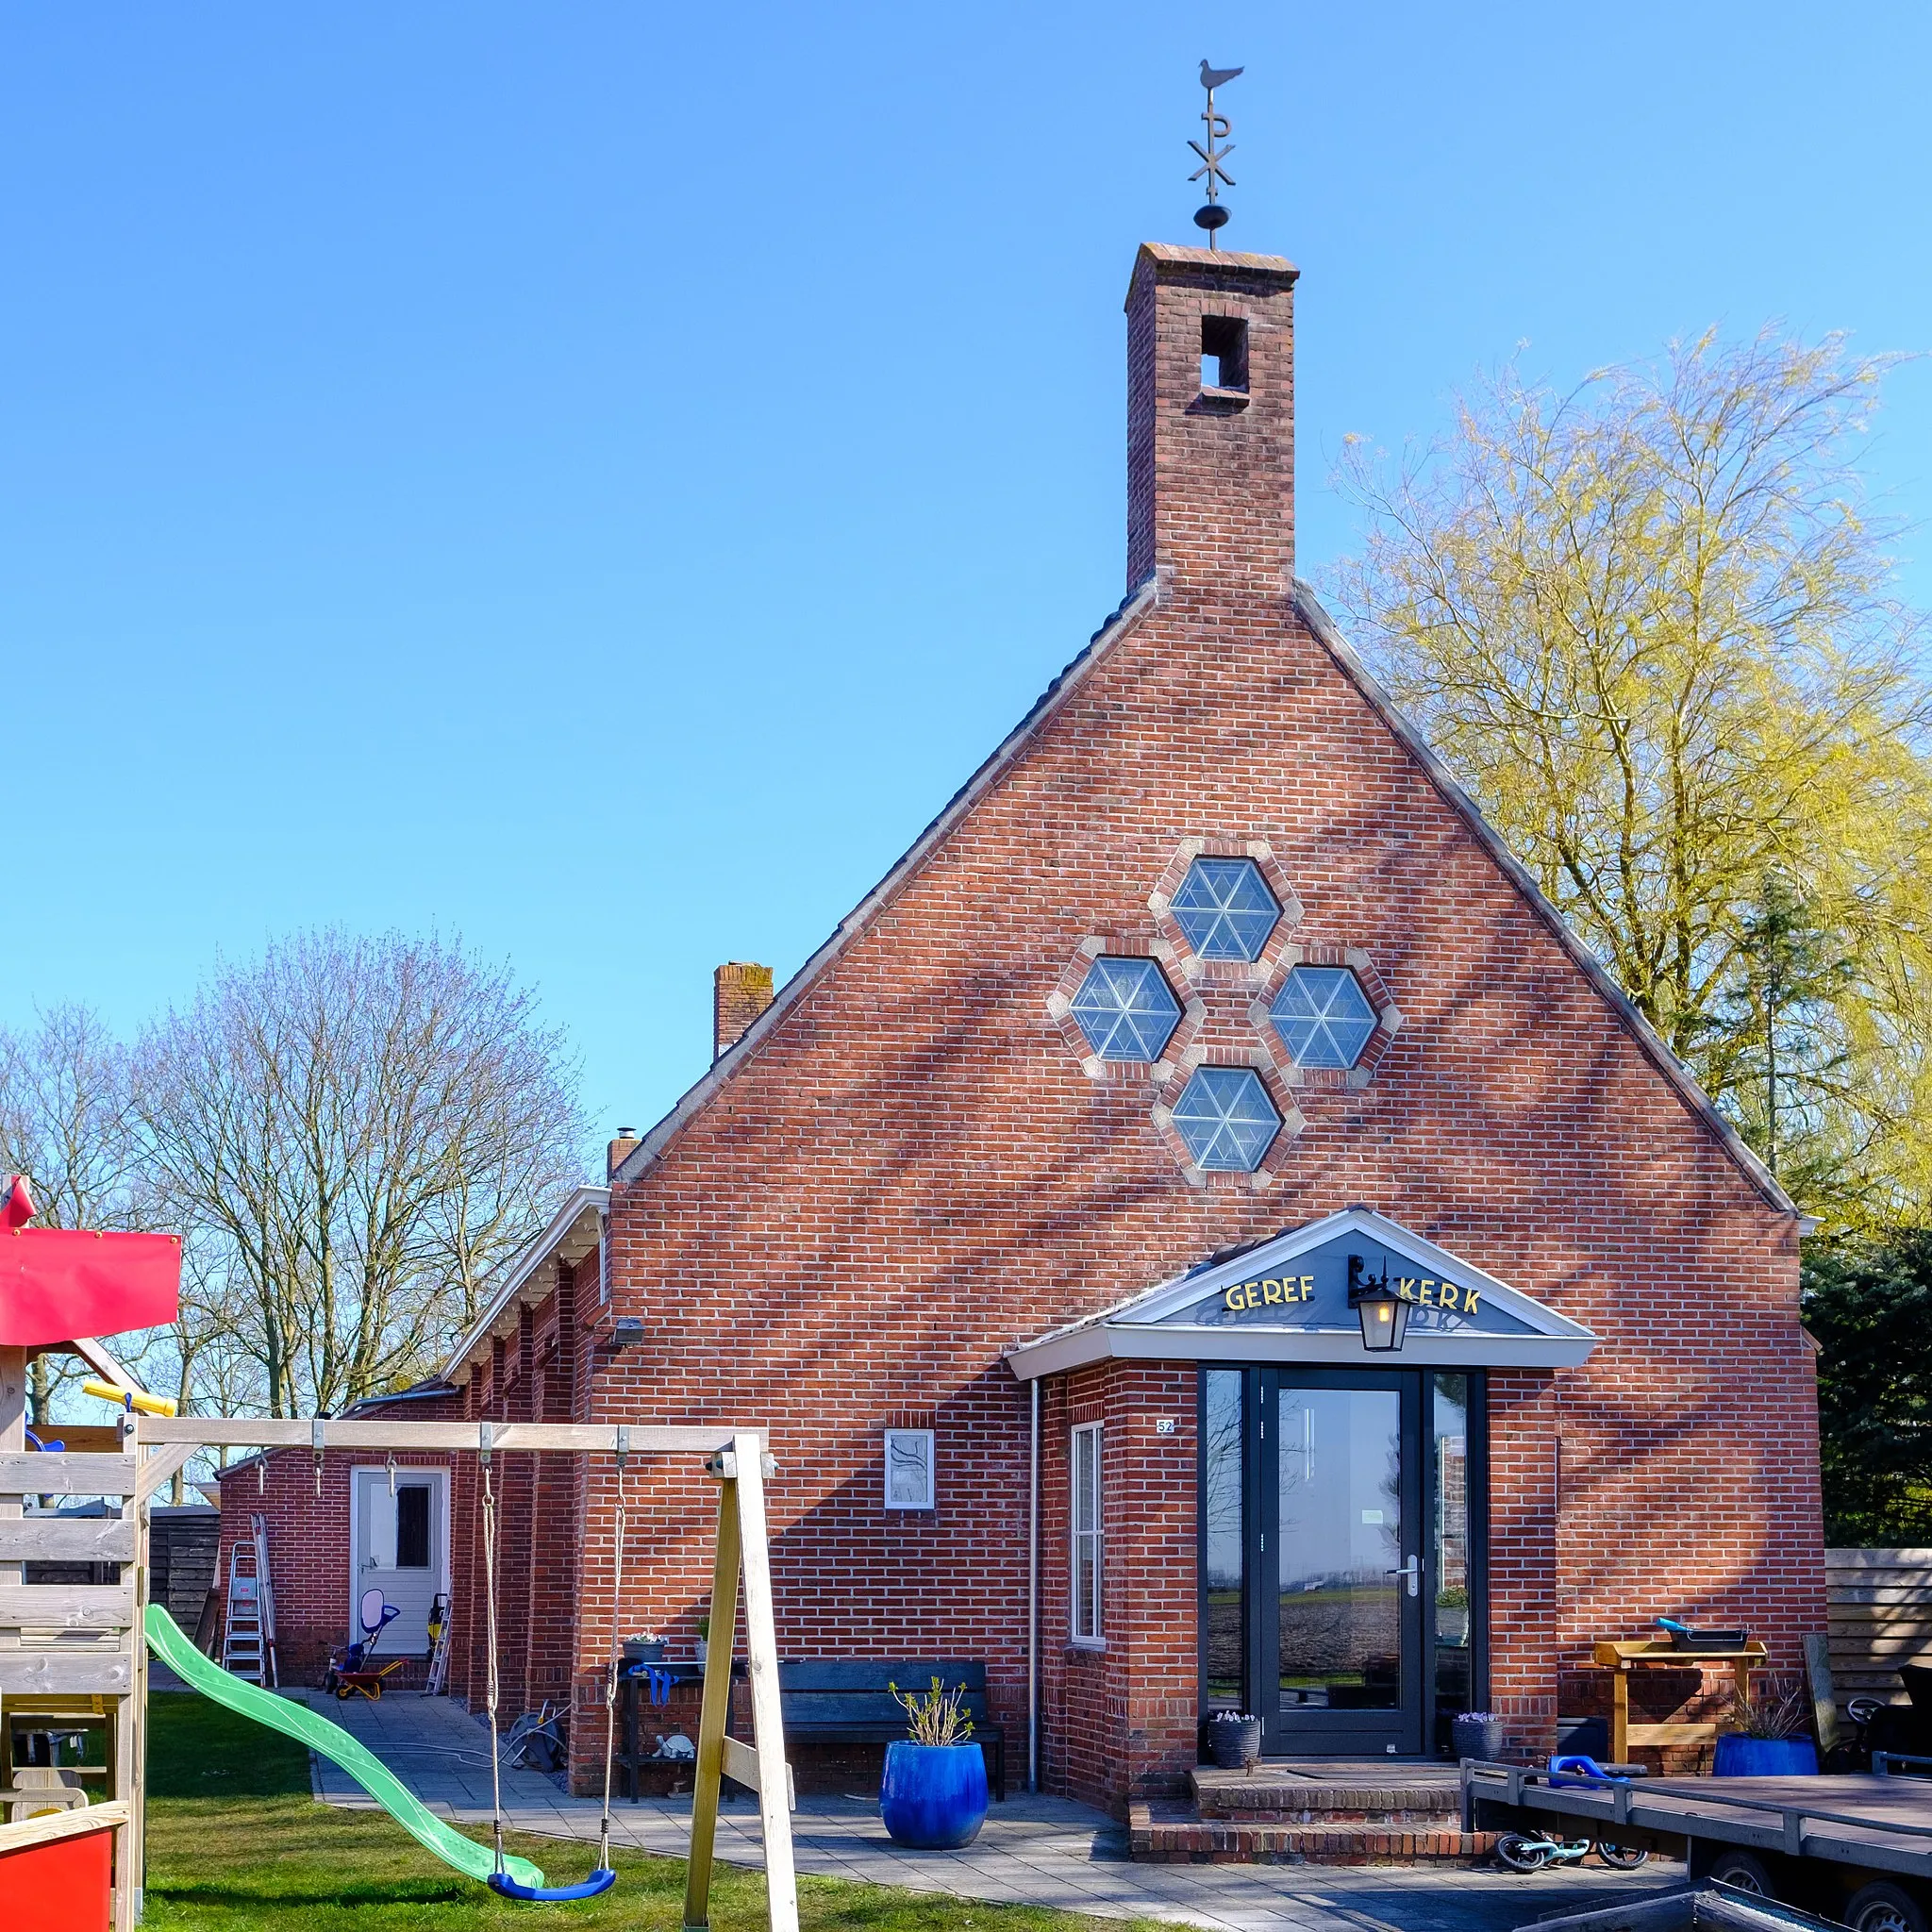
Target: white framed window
[1089, 1538]
[909, 1474]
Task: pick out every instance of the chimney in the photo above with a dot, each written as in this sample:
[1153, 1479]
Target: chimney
[1210, 421]
[739, 992]
[620, 1151]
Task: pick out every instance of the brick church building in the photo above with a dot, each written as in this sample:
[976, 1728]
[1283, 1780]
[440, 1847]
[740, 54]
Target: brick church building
[1047, 1216]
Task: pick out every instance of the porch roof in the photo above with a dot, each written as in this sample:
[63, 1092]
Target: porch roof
[1286, 1301]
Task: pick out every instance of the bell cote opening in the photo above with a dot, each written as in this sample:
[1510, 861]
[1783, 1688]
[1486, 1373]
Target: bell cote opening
[1223, 355]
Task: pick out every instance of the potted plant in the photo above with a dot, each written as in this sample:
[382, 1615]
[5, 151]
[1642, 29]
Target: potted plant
[1479, 1734]
[933, 1796]
[1771, 1738]
[1234, 1739]
[646, 1647]
[701, 1646]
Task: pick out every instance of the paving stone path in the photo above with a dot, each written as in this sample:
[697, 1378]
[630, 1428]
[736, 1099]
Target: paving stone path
[1033, 1850]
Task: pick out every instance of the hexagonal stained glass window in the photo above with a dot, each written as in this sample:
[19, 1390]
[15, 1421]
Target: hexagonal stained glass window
[1126, 1009]
[1227, 1119]
[1323, 1017]
[1226, 909]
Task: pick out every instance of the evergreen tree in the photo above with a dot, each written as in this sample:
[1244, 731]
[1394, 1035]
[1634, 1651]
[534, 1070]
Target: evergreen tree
[1870, 1307]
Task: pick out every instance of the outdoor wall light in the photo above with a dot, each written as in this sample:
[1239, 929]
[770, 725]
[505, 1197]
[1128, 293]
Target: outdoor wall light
[627, 1331]
[1383, 1313]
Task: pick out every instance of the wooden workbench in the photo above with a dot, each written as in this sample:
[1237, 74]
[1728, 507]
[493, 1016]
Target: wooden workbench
[1619, 1659]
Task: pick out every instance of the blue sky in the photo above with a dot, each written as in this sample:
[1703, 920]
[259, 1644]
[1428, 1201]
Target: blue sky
[595, 479]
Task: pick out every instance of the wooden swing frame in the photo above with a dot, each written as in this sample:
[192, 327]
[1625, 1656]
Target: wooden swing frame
[99, 1653]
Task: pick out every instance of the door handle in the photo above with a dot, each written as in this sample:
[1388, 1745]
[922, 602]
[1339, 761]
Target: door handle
[1413, 1570]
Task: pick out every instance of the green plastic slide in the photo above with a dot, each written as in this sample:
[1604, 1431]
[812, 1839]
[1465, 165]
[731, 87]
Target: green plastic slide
[169, 1642]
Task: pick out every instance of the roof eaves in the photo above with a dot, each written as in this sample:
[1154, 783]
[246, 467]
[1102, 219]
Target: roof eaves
[1308, 608]
[417, 1392]
[1127, 615]
[582, 1200]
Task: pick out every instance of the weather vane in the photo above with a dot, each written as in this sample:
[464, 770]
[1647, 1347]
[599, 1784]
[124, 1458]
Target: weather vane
[1212, 215]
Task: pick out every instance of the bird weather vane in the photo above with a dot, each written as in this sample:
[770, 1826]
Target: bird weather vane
[1211, 215]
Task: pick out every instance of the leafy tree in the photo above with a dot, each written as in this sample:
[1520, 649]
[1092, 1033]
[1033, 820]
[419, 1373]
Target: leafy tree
[1774, 1032]
[1870, 1306]
[1650, 625]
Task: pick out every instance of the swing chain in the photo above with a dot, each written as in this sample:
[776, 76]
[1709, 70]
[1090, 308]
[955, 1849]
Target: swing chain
[490, 1685]
[602, 1878]
[616, 1647]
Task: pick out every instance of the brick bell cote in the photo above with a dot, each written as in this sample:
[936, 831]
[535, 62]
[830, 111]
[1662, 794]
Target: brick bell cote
[1210, 420]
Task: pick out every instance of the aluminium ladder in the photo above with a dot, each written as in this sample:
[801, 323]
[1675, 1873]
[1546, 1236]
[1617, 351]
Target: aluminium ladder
[248, 1629]
[438, 1683]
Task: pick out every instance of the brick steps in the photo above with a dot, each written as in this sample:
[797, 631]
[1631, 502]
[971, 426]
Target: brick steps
[1346, 1814]
[1190, 1839]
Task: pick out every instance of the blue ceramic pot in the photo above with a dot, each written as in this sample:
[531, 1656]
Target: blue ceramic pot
[1741, 1757]
[933, 1796]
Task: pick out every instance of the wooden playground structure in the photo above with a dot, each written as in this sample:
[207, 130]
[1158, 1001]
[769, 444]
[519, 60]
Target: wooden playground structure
[72, 1659]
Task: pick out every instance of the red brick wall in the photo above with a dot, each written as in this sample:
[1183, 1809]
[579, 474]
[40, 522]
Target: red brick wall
[909, 1171]
[534, 1376]
[1139, 1691]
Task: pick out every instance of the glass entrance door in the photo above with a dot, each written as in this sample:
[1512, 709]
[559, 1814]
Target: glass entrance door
[1342, 1554]
[1343, 1562]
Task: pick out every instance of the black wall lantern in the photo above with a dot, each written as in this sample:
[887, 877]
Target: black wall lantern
[1383, 1313]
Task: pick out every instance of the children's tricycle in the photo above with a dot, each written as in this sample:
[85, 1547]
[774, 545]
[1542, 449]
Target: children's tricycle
[350, 1671]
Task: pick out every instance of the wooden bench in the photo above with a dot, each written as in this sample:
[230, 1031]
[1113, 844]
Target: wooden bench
[842, 1700]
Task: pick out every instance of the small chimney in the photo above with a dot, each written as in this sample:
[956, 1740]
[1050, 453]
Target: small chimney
[739, 992]
[620, 1151]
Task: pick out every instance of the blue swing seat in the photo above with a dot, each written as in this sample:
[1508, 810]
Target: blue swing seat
[602, 1879]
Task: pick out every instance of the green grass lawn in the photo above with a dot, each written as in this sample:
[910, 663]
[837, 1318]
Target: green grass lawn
[235, 1840]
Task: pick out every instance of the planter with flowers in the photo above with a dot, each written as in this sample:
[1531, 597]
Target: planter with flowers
[933, 1796]
[1234, 1739]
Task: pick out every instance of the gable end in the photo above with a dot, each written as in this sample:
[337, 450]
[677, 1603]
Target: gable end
[1309, 608]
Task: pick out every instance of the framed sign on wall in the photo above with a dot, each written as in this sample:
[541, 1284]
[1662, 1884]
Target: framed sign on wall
[909, 1475]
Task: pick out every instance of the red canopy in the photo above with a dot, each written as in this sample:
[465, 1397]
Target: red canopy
[55, 1283]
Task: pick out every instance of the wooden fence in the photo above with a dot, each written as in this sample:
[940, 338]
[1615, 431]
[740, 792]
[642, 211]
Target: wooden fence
[1879, 1607]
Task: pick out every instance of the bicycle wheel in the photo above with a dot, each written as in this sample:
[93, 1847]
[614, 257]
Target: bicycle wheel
[1620, 1857]
[1523, 1853]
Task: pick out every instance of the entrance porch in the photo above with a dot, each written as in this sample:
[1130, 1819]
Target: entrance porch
[1279, 1505]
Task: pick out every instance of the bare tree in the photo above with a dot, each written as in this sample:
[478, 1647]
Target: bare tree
[67, 1122]
[363, 1129]
[70, 1121]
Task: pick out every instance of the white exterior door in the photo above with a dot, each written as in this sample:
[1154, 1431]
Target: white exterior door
[401, 1547]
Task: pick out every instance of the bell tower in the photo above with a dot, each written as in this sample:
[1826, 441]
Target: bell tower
[1210, 421]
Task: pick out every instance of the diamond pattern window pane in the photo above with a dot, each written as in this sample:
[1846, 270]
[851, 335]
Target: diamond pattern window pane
[1227, 1119]
[1323, 1017]
[1226, 909]
[1125, 1009]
